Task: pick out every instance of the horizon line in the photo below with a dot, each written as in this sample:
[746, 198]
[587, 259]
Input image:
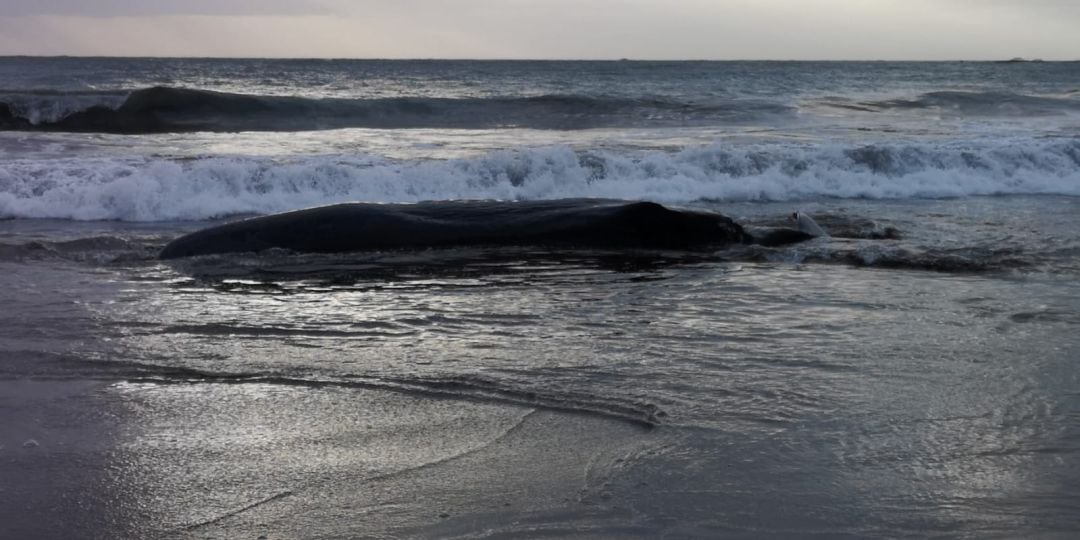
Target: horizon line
[496, 59]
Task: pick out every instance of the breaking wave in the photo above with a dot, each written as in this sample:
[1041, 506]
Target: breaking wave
[159, 189]
[164, 109]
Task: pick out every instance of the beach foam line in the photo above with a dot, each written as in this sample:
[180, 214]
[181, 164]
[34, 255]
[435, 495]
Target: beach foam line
[466, 387]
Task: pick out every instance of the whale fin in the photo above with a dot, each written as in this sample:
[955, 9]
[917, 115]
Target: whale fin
[806, 224]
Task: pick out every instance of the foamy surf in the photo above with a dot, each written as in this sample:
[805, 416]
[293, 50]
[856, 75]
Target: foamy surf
[143, 188]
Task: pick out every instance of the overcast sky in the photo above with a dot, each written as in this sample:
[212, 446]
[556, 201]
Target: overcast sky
[647, 29]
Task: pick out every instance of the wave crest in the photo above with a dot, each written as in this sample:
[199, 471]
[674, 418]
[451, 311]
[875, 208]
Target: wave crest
[151, 189]
[165, 109]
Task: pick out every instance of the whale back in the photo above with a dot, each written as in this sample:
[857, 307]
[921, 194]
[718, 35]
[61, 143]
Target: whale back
[588, 223]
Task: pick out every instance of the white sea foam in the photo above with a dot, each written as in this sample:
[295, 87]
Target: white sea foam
[155, 189]
[52, 107]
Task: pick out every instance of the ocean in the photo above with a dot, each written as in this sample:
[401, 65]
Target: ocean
[914, 373]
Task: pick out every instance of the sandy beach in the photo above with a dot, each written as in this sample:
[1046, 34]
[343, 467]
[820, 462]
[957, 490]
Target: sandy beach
[909, 373]
[99, 459]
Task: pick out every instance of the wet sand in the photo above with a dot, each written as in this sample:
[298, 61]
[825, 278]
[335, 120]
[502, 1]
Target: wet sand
[115, 459]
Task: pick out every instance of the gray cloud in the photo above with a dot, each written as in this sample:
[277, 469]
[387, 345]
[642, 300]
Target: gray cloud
[744, 29]
[143, 8]
[1063, 6]
[135, 8]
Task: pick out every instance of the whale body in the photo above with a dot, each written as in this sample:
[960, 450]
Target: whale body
[585, 223]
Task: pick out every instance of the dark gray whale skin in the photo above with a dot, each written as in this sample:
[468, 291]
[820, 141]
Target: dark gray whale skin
[585, 223]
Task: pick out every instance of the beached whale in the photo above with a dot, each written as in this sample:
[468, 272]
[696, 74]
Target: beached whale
[587, 223]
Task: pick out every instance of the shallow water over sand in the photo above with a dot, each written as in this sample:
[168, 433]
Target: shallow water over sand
[812, 389]
[913, 374]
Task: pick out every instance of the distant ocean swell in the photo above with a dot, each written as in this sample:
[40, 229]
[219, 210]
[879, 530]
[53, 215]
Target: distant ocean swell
[968, 104]
[156, 189]
[163, 109]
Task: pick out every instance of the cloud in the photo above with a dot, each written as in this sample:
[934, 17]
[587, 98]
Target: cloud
[660, 29]
[143, 8]
[1060, 7]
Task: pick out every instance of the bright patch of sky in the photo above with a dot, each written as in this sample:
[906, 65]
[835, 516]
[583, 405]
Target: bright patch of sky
[646, 29]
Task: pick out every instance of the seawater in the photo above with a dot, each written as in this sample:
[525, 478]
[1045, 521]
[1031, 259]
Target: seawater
[911, 374]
